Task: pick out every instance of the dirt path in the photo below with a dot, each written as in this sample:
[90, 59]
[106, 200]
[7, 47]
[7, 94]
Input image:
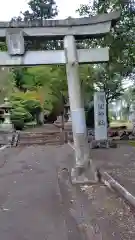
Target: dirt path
[29, 197]
[31, 206]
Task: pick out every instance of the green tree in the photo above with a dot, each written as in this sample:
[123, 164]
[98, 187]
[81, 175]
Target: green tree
[20, 116]
[26, 104]
[48, 81]
[122, 37]
[110, 82]
[7, 85]
[128, 99]
[40, 10]
[3, 46]
[52, 80]
[45, 78]
[121, 43]
[29, 79]
[33, 106]
[87, 78]
[20, 77]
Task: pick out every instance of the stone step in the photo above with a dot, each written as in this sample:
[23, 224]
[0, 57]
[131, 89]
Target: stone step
[39, 138]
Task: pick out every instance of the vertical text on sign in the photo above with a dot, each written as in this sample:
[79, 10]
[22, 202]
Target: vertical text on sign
[100, 116]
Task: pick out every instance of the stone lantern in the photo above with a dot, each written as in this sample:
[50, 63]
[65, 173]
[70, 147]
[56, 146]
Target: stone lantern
[67, 112]
[6, 125]
[68, 123]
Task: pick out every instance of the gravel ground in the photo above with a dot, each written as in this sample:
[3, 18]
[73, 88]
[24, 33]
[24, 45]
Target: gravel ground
[29, 197]
[108, 214]
[30, 206]
[8, 153]
[119, 163]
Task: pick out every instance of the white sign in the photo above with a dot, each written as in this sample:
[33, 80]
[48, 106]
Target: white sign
[100, 116]
[78, 120]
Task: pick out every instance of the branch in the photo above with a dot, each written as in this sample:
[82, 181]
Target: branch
[113, 96]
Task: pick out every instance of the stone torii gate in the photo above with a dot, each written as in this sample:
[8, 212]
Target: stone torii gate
[68, 30]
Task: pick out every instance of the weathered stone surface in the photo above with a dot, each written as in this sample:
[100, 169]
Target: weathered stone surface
[53, 57]
[5, 137]
[113, 16]
[83, 27]
[103, 144]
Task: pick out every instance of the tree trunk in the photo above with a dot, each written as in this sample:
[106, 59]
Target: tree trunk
[38, 119]
[107, 113]
[62, 121]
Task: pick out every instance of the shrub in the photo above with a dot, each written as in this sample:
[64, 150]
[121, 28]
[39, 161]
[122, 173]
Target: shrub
[33, 106]
[28, 102]
[19, 116]
[18, 124]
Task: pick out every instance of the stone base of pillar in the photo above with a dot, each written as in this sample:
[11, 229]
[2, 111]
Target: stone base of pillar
[59, 120]
[103, 144]
[70, 120]
[68, 124]
[84, 174]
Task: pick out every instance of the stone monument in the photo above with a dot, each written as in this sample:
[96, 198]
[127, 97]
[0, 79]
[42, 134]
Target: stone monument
[6, 128]
[6, 125]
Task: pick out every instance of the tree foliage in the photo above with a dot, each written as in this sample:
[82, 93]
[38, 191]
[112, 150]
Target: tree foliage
[25, 106]
[45, 87]
[49, 82]
[40, 10]
[120, 41]
[7, 85]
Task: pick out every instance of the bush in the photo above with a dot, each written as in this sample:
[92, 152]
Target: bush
[19, 116]
[18, 124]
[32, 106]
[28, 102]
[21, 113]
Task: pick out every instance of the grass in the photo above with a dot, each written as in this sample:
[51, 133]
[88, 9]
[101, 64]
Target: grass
[132, 143]
[128, 124]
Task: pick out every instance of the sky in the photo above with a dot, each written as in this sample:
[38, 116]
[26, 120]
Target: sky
[12, 8]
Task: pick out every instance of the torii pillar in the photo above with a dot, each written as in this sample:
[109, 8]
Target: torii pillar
[82, 149]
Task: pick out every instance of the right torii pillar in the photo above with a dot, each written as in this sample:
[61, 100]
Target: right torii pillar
[84, 170]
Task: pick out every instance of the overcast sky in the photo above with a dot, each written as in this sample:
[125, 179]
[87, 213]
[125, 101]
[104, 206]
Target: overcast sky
[11, 8]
